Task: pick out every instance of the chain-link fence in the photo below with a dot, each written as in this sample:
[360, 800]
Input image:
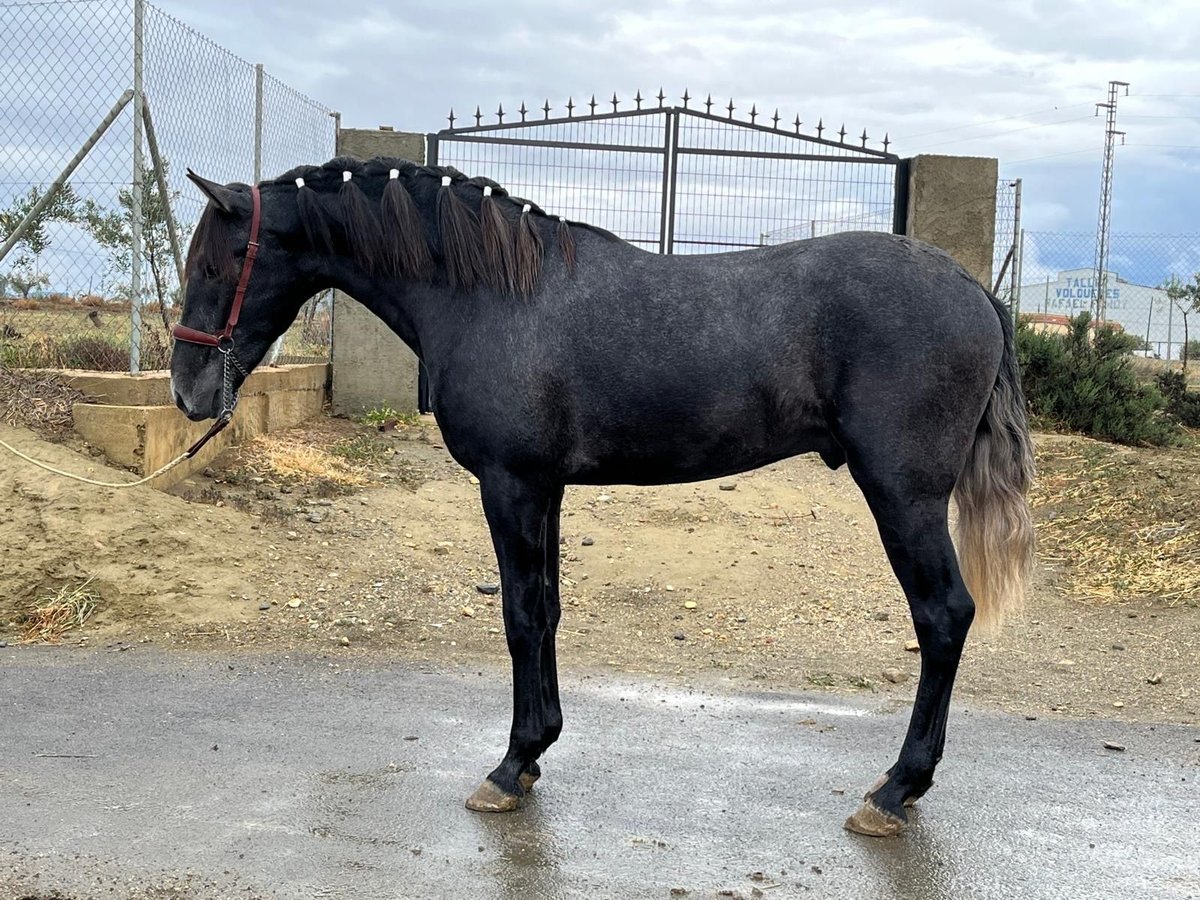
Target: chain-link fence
[1006, 252]
[89, 270]
[1059, 279]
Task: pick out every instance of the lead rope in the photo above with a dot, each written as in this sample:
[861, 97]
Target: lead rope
[229, 402]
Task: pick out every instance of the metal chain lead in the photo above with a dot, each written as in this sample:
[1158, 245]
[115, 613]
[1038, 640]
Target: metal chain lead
[229, 394]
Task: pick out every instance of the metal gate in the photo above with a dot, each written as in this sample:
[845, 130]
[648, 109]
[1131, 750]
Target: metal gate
[682, 179]
[691, 178]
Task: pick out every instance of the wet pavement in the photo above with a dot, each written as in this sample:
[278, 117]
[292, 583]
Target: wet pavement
[141, 774]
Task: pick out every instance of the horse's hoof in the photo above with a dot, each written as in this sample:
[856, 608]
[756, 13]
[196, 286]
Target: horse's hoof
[490, 797]
[874, 822]
[528, 780]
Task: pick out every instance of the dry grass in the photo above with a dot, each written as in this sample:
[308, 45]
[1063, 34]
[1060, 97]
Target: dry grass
[1124, 523]
[59, 612]
[38, 400]
[1149, 369]
[289, 458]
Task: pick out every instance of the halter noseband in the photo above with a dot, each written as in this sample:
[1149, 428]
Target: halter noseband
[223, 339]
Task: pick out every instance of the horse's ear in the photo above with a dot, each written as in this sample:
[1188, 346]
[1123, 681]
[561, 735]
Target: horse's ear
[226, 199]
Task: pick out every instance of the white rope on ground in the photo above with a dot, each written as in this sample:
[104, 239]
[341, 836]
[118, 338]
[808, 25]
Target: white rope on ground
[108, 484]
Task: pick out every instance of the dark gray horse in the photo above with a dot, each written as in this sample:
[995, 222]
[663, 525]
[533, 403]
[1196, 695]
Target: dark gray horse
[559, 354]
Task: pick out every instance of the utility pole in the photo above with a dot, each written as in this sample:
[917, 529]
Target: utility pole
[1106, 179]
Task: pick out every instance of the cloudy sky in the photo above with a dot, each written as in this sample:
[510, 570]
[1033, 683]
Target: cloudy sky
[1017, 80]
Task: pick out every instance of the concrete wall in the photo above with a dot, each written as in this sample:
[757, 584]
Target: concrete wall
[952, 205]
[135, 428]
[371, 366]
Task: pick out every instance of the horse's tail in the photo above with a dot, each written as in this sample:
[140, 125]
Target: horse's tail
[995, 529]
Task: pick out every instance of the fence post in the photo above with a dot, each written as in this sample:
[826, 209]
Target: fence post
[372, 367]
[952, 205]
[135, 206]
[1014, 291]
[164, 190]
[258, 121]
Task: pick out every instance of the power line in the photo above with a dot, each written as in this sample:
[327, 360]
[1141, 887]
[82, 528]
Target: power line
[980, 137]
[1168, 146]
[1036, 112]
[1049, 156]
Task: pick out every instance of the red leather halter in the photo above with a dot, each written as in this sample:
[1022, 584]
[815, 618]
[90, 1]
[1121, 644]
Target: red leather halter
[224, 337]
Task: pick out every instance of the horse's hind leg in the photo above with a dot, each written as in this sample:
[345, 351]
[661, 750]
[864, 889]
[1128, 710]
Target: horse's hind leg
[913, 524]
[518, 513]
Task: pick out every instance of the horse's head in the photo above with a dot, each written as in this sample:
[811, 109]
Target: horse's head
[246, 283]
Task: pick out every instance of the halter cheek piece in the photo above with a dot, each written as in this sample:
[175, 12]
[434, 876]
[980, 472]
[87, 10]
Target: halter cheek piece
[223, 339]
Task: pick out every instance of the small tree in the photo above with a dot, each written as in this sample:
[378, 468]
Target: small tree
[25, 281]
[1186, 298]
[64, 206]
[113, 231]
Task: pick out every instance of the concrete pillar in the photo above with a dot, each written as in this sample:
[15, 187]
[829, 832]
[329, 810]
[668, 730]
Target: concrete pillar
[371, 366]
[952, 205]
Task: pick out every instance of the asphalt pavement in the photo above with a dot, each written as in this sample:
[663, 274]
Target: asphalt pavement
[178, 775]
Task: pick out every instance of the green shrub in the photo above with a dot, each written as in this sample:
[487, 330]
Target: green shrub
[1088, 385]
[1182, 405]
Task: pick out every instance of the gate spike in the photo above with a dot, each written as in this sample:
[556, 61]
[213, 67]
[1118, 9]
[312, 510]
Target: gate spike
[615, 101]
[708, 105]
[478, 116]
[775, 119]
[864, 139]
[798, 123]
[820, 127]
[451, 117]
[546, 109]
[686, 98]
[661, 97]
[753, 113]
[731, 107]
[593, 104]
[500, 113]
[522, 110]
[842, 133]
[638, 99]
[570, 107]
[886, 142]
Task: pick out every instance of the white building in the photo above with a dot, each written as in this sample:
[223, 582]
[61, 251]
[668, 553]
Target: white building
[1141, 310]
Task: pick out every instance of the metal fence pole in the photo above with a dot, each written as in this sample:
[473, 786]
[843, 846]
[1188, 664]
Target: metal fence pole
[1020, 274]
[1014, 281]
[135, 206]
[164, 190]
[258, 121]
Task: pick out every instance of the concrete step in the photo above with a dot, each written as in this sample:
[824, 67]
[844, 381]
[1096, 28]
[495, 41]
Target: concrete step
[138, 426]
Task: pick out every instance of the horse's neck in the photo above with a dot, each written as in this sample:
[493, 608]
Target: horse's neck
[415, 312]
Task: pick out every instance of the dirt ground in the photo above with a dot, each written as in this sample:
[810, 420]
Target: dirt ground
[773, 578]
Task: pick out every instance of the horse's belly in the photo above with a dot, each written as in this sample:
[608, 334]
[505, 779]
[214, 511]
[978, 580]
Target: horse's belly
[663, 454]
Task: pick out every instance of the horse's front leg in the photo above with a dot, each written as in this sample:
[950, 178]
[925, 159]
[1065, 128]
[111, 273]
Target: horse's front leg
[518, 513]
